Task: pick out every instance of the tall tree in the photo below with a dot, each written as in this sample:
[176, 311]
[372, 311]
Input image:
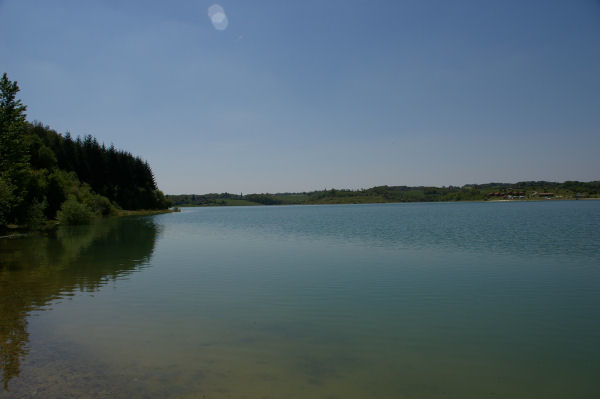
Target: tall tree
[14, 158]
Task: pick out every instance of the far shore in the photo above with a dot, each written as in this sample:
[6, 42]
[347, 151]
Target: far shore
[520, 191]
[236, 204]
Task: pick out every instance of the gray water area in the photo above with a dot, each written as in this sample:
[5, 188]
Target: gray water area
[427, 300]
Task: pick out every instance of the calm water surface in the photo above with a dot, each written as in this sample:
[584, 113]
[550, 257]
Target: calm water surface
[461, 300]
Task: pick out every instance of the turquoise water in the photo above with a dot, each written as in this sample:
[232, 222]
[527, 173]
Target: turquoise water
[442, 300]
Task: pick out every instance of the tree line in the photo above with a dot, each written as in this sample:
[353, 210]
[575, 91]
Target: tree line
[45, 175]
[384, 194]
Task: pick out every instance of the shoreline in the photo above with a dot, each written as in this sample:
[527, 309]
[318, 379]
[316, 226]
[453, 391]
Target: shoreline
[16, 231]
[145, 212]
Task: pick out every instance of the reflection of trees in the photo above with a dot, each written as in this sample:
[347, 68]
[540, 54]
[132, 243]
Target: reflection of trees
[36, 270]
[13, 334]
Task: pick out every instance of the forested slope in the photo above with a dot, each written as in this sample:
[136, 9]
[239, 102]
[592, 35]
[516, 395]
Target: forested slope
[44, 175]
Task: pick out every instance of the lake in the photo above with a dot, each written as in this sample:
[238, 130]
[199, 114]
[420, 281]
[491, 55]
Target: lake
[420, 300]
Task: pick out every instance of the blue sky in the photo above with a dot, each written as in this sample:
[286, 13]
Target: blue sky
[305, 95]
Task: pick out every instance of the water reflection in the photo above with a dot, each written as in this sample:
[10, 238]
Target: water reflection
[36, 270]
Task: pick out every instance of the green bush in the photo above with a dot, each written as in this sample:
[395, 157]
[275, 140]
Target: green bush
[74, 213]
[6, 200]
[103, 207]
[34, 216]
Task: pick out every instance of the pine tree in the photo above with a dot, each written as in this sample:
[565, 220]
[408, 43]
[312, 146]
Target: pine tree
[14, 159]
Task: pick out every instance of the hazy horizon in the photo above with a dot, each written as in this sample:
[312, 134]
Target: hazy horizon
[300, 96]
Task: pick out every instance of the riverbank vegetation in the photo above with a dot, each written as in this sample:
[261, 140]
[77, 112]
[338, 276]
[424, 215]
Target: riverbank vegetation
[382, 194]
[45, 175]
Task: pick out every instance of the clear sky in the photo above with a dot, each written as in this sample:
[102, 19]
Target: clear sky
[289, 95]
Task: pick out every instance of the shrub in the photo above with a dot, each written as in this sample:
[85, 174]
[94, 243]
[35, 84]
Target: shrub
[6, 200]
[102, 206]
[34, 216]
[74, 213]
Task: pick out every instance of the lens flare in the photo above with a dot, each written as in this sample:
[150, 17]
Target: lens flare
[217, 16]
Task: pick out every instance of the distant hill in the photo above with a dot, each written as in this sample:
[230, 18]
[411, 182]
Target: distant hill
[381, 194]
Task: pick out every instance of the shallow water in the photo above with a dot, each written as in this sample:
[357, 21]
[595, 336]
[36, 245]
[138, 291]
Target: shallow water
[448, 300]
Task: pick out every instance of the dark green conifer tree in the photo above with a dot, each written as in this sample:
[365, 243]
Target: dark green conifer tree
[14, 159]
